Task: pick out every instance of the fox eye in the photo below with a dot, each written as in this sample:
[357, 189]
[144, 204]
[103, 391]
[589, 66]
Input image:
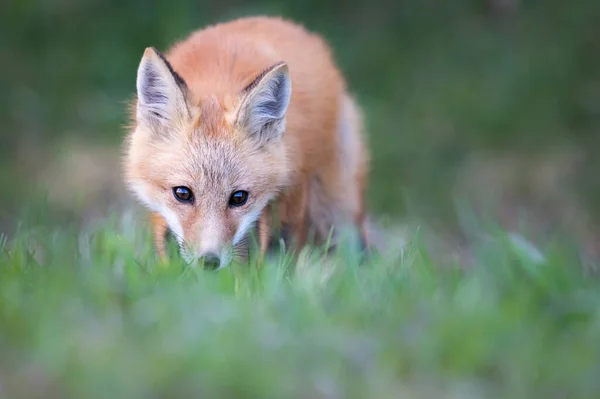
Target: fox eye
[238, 198]
[183, 194]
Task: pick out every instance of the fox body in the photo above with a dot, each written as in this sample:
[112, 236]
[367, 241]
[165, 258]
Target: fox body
[238, 118]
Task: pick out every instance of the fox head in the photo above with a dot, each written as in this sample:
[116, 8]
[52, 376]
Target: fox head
[210, 165]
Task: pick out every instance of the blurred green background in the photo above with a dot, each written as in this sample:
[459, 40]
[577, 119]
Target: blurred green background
[496, 102]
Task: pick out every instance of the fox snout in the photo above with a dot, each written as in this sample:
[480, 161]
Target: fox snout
[208, 244]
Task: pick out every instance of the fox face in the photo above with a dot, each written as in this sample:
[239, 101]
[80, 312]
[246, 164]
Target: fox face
[209, 165]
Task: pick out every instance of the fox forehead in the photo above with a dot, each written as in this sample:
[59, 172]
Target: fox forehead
[214, 163]
[207, 148]
[217, 153]
[214, 115]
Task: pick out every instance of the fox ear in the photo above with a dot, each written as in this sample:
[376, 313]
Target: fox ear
[161, 92]
[265, 102]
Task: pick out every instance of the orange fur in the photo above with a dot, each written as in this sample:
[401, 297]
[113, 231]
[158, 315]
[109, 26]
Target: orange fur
[316, 172]
[159, 230]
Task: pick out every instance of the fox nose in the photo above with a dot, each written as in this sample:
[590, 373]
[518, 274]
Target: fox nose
[211, 260]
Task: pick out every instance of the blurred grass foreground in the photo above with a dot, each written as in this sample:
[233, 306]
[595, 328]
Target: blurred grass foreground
[483, 120]
[91, 314]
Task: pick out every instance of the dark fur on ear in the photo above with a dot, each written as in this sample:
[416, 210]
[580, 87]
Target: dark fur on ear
[178, 79]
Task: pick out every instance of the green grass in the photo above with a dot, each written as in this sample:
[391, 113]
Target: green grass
[91, 313]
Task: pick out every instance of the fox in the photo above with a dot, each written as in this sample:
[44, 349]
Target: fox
[240, 123]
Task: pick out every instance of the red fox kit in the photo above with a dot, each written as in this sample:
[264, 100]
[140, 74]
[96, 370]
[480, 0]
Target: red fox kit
[237, 118]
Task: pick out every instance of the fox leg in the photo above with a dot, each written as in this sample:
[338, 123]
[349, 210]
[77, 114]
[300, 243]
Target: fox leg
[338, 189]
[355, 160]
[265, 228]
[294, 215]
[360, 217]
[159, 229]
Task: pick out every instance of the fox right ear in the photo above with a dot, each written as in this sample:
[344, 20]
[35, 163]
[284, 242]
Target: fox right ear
[161, 92]
[264, 104]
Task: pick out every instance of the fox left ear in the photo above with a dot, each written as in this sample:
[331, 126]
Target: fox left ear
[265, 102]
[161, 93]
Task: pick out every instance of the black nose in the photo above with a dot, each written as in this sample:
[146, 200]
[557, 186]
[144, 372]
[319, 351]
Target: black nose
[210, 260]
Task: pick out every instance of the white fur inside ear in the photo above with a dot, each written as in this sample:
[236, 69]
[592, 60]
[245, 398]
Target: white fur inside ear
[267, 103]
